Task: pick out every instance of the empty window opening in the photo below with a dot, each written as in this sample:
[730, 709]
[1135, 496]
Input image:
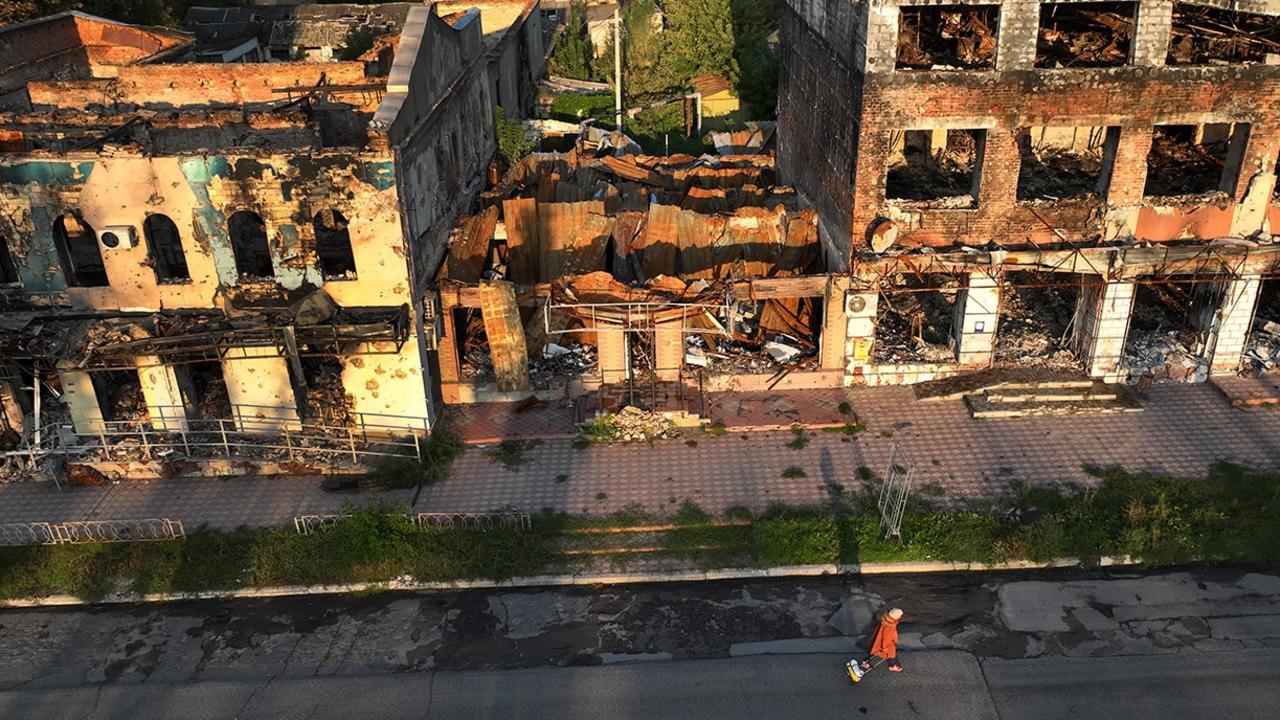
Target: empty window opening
[1064, 162]
[914, 319]
[1169, 329]
[249, 243]
[1262, 350]
[1081, 35]
[1212, 36]
[165, 247]
[938, 167]
[8, 269]
[119, 396]
[78, 251]
[325, 400]
[1037, 311]
[947, 36]
[1194, 159]
[333, 245]
[204, 393]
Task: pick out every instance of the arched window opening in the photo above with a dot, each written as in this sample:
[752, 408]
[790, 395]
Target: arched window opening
[165, 246]
[78, 250]
[8, 269]
[333, 245]
[249, 243]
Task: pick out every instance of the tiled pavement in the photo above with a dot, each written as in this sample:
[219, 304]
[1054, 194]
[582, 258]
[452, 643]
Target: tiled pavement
[1183, 431]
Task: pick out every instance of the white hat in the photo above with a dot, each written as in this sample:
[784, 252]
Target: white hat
[895, 613]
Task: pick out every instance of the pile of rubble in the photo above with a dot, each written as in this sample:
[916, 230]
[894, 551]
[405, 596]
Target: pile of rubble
[632, 424]
[1263, 349]
[1164, 357]
[1035, 325]
[559, 361]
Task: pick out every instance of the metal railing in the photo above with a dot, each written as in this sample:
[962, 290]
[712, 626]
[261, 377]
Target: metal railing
[90, 531]
[308, 524]
[261, 432]
[893, 493]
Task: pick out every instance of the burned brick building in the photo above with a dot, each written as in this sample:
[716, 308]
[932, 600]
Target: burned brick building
[242, 244]
[1086, 184]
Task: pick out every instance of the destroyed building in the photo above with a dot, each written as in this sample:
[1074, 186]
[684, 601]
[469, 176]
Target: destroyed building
[242, 244]
[1039, 183]
[632, 280]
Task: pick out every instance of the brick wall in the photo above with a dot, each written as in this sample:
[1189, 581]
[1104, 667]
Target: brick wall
[817, 111]
[194, 84]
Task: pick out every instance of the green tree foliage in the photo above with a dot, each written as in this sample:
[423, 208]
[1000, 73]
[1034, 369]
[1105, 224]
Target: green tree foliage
[702, 38]
[136, 12]
[513, 144]
[574, 52]
[357, 43]
[753, 23]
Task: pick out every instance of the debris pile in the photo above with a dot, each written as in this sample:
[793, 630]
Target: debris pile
[1054, 173]
[1096, 34]
[941, 177]
[1036, 319]
[1164, 357]
[1263, 348]
[1203, 35]
[914, 324]
[1186, 160]
[955, 36]
[560, 361]
[632, 424]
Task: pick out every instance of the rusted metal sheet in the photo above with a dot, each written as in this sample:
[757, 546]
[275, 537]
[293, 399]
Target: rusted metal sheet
[521, 217]
[573, 238]
[506, 335]
[469, 247]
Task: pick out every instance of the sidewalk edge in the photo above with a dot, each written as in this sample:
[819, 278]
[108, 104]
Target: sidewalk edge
[530, 581]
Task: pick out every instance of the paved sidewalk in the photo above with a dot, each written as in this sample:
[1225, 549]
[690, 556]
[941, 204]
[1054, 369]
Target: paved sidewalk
[1183, 431]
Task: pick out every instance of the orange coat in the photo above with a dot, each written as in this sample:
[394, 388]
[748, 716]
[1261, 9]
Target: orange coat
[885, 644]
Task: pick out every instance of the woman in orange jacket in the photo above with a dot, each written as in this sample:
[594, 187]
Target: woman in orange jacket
[885, 644]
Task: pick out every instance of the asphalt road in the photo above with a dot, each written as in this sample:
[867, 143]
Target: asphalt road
[938, 685]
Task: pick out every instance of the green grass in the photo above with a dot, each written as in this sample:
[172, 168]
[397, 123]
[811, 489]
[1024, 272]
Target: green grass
[1233, 515]
[799, 438]
[439, 450]
[794, 472]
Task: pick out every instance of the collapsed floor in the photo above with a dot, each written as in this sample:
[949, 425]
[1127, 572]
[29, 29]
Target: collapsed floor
[647, 248]
[914, 319]
[1037, 318]
[1168, 331]
[1262, 350]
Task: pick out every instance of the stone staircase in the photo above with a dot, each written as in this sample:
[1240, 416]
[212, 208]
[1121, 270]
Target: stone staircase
[1059, 398]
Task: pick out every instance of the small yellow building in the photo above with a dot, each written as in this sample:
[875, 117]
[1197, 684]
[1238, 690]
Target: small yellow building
[720, 108]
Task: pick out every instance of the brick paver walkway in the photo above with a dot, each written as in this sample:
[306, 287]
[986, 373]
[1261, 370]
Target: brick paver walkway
[1183, 431]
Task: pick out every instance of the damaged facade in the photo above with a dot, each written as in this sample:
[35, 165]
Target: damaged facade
[1073, 184]
[191, 244]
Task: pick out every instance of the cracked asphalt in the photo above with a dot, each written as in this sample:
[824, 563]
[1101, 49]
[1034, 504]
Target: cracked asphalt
[1188, 615]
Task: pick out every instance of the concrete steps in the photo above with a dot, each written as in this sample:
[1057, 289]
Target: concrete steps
[954, 388]
[1098, 398]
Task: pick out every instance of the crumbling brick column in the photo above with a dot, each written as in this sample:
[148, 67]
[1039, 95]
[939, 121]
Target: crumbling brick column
[1019, 24]
[668, 348]
[977, 314]
[611, 349]
[1151, 37]
[833, 352]
[162, 392]
[1234, 321]
[1102, 326]
[81, 399]
[262, 398]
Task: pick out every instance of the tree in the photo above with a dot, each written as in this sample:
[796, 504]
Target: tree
[702, 40]
[513, 143]
[574, 52]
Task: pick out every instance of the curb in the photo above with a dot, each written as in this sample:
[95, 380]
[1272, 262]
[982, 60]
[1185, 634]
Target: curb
[530, 581]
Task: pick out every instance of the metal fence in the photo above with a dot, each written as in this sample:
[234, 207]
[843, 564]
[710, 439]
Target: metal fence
[308, 524]
[894, 491]
[90, 531]
[252, 432]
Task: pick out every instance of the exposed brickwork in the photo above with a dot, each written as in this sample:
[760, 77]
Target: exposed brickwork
[817, 123]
